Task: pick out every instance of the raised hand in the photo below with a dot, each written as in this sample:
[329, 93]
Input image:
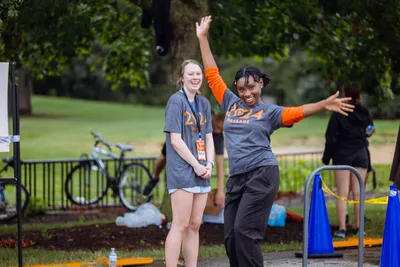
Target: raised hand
[338, 104]
[203, 27]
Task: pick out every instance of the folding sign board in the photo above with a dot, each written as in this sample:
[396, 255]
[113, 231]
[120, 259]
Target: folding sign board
[4, 146]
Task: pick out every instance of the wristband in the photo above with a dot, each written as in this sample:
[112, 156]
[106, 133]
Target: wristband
[210, 161]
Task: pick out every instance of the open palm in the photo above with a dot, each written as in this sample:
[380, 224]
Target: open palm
[203, 27]
[338, 104]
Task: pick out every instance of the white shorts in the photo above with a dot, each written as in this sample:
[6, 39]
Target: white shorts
[194, 189]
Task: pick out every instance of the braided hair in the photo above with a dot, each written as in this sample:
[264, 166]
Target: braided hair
[254, 72]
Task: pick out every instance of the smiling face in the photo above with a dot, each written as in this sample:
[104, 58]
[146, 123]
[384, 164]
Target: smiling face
[249, 91]
[192, 77]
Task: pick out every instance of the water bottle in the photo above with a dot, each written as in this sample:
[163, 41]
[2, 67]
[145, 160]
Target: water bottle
[113, 258]
[369, 129]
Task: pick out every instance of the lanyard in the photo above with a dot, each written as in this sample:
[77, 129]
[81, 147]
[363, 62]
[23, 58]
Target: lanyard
[195, 110]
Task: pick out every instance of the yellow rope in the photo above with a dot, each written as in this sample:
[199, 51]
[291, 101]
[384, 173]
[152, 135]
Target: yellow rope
[378, 200]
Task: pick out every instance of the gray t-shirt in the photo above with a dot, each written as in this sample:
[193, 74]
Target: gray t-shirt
[179, 118]
[247, 133]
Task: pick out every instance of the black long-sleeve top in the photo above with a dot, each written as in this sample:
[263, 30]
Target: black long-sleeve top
[346, 133]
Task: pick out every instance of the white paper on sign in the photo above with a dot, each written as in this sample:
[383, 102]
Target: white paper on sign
[4, 147]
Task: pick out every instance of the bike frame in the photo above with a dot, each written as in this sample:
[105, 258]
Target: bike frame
[2, 188]
[95, 154]
[4, 168]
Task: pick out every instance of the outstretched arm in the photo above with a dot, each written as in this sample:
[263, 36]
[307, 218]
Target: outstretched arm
[332, 103]
[292, 115]
[217, 85]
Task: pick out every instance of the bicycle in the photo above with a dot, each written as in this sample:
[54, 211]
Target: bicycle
[89, 181]
[8, 196]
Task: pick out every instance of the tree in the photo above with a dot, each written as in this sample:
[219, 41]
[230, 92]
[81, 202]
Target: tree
[43, 36]
[353, 39]
[357, 40]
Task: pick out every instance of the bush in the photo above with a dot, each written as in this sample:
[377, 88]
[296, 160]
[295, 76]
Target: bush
[294, 178]
[36, 206]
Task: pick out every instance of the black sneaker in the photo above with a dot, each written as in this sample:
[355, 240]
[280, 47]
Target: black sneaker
[356, 231]
[341, 233]
[148, 189]
[366, 219]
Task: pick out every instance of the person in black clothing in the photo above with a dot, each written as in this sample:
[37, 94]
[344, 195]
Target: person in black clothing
[346, 145]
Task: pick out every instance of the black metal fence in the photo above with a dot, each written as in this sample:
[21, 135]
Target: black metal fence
[45, 179]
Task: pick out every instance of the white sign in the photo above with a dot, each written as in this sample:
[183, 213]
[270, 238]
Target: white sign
[4, 146]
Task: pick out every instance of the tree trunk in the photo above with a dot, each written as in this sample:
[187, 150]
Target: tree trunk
[25, 89]
[184, 45]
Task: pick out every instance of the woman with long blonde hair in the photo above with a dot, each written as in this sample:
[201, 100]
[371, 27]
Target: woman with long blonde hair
[190, 158]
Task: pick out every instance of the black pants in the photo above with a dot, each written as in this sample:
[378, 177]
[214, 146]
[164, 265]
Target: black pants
[248, 202]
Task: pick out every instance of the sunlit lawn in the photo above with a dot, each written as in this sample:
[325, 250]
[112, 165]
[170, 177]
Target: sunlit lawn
[60, 128]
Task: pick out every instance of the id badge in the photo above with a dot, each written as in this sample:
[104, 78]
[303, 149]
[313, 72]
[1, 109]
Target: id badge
[201, 152]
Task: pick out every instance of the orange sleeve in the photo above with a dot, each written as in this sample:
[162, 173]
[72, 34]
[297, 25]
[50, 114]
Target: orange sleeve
[292, 115]
[217, 85]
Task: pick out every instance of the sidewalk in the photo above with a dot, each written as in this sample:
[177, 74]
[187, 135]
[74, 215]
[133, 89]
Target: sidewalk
[287, 259]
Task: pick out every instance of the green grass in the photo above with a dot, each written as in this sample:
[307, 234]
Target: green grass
[377, 213]
[8, 257]
[382, 178]
[60, 128]
[316, 127]
[42, 256]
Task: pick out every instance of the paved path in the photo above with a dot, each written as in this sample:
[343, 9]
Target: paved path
[287, 259]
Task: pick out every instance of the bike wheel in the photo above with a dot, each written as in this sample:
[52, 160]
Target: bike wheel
[133, 179]
[8, 206]
[86, 184]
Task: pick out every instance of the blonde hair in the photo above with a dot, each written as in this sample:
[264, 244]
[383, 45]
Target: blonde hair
[186, 62]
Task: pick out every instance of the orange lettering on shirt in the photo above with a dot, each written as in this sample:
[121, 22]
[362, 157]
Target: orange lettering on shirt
[258, 115]
[202, 119]
[189, 118]
[232, 109]
[239, 112]
[247, 115]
